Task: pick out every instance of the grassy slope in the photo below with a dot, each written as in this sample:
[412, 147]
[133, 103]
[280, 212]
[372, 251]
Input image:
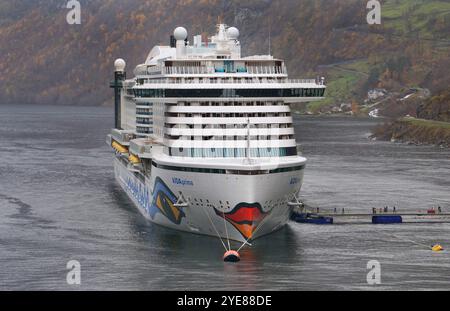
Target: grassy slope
[413, 130]
[427, 123]
[393, 11]
[343, 84]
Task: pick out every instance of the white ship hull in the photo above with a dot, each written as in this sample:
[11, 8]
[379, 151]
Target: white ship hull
[242, 207]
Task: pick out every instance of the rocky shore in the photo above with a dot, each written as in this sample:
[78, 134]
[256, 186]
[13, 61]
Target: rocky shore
[414, 131]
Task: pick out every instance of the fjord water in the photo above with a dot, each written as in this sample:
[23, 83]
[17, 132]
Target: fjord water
[59, 201]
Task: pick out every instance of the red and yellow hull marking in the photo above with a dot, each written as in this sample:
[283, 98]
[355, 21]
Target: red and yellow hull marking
[245, 217]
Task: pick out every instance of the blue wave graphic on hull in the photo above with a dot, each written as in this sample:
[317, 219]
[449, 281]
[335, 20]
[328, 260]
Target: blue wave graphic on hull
[161, 201]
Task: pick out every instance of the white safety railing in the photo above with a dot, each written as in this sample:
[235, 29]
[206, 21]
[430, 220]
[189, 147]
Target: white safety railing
[230, 81]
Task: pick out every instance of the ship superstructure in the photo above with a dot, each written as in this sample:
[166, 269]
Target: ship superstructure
[204, 137]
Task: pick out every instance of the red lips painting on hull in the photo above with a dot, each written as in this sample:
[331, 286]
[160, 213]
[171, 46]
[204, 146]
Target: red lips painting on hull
[245, 217]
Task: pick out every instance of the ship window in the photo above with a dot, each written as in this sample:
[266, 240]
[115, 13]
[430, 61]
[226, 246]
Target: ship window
[199, 93]
[222, 171]
[230, 152]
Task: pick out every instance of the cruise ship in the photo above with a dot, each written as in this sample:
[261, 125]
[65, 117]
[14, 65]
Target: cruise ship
[204, 140]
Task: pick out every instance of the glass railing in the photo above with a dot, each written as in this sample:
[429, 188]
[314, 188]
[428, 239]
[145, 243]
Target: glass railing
[230, 81]
[221, 69]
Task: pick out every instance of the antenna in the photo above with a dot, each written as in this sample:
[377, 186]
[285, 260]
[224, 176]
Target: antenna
[270, 34]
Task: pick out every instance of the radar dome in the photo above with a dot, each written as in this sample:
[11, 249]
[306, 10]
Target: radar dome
[233, 33]
[180, 33]
[119, 64]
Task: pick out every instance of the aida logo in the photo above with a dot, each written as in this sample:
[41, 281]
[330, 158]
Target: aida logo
[140, 193]
[184, 182]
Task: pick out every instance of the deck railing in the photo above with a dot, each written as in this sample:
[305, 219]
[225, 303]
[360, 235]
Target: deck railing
[229, 81]
[223, 69]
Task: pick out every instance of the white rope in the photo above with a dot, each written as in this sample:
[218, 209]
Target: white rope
[407, 240]
[218, 235]
[254, 232]
[226, 230]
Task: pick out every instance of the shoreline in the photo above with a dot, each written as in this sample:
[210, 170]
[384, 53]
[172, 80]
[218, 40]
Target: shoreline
[414, 131]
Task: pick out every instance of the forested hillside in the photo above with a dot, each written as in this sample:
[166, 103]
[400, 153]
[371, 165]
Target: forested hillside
[45, 60]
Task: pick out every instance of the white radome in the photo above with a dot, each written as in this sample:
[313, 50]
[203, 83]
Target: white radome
[120, 64]
[180, 33]
[233, 33]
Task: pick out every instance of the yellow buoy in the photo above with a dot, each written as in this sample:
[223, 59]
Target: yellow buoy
[119, 147]
[134, 159]
[437, 248]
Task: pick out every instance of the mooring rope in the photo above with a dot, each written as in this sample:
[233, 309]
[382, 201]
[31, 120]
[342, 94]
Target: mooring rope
[408, 240]
[254, 232]
[217, 232]
[226, 230]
